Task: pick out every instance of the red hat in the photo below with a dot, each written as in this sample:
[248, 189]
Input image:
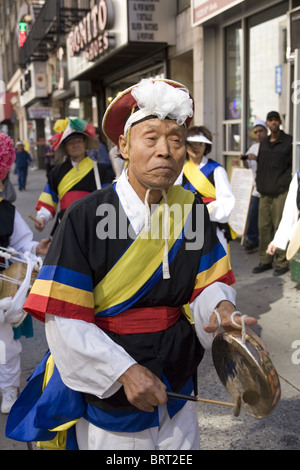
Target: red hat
[7, 155]
[160, 98]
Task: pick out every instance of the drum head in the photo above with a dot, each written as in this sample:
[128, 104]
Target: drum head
[246, 371]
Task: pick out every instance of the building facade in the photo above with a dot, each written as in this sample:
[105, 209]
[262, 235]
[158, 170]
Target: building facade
[238, 58]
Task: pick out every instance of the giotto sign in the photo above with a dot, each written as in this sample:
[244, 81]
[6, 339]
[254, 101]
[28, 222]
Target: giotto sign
[91, 34]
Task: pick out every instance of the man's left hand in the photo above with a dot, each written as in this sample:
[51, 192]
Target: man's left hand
[225, 310]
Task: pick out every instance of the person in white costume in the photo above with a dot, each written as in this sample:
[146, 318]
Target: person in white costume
[15, 234]
[209, 174]
[289, 219]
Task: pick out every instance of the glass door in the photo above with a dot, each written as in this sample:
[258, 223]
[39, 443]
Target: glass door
[233, 96]
[268, 68]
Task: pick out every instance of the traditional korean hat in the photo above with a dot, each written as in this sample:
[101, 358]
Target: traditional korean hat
[7, 156]
[159, 98]
[294, 244]
[68, 128]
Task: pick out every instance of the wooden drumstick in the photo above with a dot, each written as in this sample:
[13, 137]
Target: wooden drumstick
[181, 396]
[34, 219]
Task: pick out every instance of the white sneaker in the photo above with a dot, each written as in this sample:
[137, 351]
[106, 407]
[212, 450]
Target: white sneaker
[9, 396]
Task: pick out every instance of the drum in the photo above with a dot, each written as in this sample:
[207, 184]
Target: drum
[12, 277]
[246, 371]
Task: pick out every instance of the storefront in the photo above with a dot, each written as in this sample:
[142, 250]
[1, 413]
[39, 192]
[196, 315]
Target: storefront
[117, 44]
[249, 69]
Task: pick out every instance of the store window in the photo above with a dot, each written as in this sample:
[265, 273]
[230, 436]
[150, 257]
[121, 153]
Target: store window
[233, 95]
[268, 68]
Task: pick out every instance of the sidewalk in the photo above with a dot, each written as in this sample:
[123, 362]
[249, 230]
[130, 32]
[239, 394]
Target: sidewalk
[274, 301]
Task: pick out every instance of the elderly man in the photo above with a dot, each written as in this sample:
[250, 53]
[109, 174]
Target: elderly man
[114, 312]
[74, 177]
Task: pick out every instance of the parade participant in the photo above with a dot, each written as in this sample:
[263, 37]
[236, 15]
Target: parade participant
[73, 178]
[209, 179]
[23, 160]
[273, 177]
[289, 219]
[112, 288]
[14, 233]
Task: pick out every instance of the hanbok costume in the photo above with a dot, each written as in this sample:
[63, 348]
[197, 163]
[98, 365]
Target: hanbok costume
[69, 181]
[16, 236]
[125, 305]
[210, 181]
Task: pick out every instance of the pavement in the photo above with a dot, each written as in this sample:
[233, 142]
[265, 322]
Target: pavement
[274, 301]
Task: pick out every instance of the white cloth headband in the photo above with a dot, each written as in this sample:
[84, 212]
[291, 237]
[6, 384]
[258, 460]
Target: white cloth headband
[198, 138]
[157, 98]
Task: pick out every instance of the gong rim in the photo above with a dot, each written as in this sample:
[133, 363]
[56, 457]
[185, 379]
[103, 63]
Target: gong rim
[246, 371]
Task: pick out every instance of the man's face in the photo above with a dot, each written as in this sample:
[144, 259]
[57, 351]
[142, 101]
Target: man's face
[76, 147]
[260, 133]
[273, 124]
[156, 153]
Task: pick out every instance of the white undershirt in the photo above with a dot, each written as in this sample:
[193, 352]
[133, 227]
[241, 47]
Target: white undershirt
[87, 359]
[22, 237]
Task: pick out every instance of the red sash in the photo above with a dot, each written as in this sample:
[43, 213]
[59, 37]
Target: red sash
[70, 197]
[140, 320]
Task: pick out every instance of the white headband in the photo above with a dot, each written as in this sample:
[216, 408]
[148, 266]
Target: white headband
[198, 138]
[161, 100]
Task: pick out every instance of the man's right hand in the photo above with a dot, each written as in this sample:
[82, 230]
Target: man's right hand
[143, 389]
[40, 225]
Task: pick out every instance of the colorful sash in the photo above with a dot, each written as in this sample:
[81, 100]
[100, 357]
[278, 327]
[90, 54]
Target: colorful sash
[49, 199]
[141, 277]
[199, 179]
[74, 176]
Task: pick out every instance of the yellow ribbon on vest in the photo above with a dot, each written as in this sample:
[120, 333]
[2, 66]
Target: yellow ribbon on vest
[74, 176]
[199, 180]
[202, 184]
[112, 290]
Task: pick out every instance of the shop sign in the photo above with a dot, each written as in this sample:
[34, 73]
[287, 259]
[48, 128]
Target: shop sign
[91, 34]
[33, 83]
[39, 112]
[203, 10]
[152, 21]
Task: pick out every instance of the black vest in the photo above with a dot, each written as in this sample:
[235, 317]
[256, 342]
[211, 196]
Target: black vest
[7, 217]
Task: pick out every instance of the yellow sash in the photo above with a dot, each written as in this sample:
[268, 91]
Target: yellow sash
[112, 290]
[199, 180]
[74, 176]
[202, 185]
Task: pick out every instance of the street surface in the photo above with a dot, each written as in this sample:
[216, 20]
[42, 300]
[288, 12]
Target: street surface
[274, 301]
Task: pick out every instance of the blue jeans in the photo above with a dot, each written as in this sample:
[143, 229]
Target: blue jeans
[22, 176]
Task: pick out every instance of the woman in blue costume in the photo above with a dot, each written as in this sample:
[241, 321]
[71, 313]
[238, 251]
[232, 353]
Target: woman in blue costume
[209, 179]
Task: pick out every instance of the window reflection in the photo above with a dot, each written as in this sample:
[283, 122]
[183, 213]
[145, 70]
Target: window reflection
[267, 68]
[233, 44]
